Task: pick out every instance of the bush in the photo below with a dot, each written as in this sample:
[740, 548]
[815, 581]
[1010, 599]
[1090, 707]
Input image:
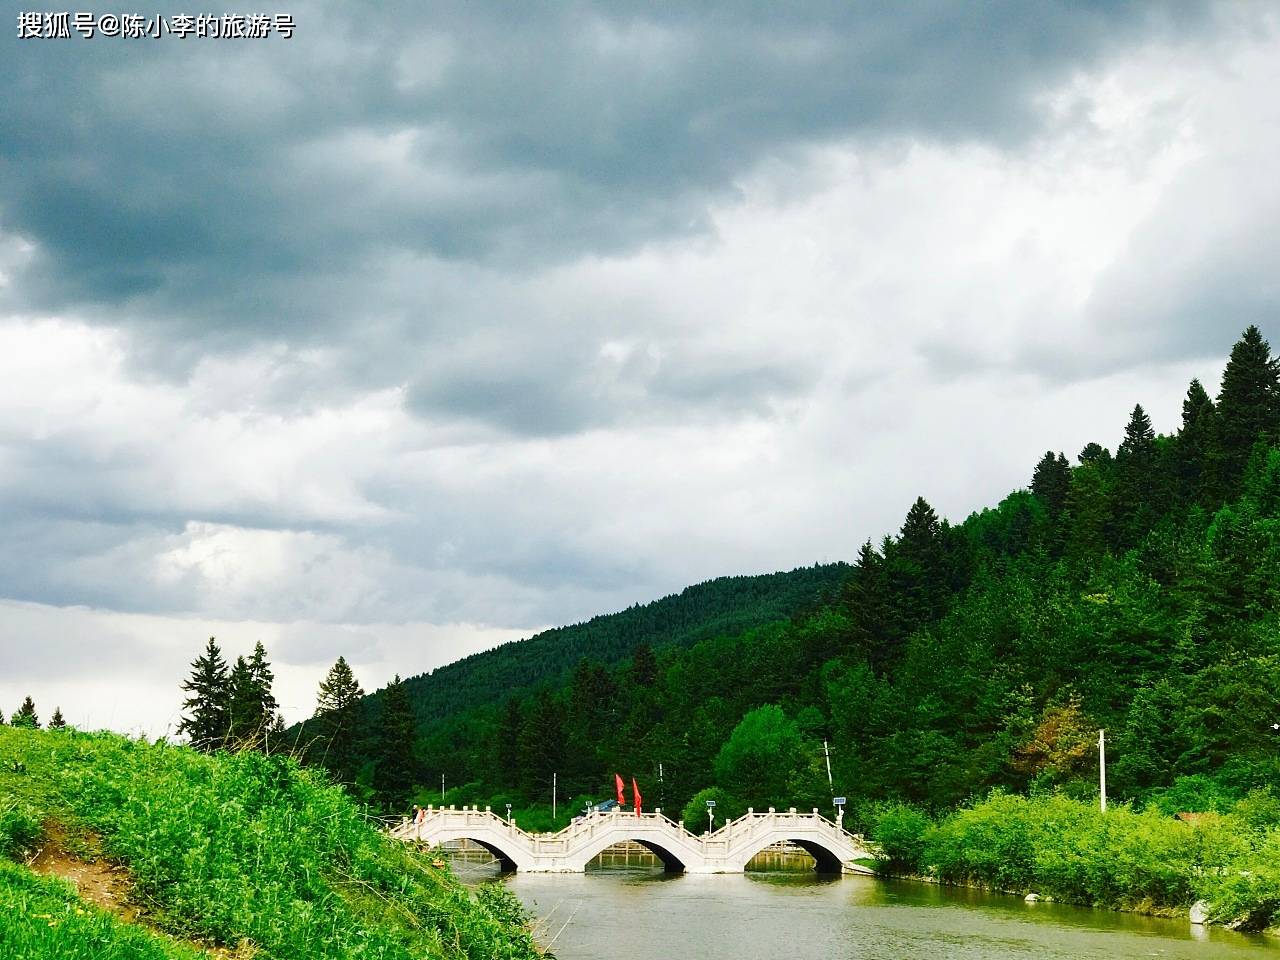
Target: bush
[900, 830]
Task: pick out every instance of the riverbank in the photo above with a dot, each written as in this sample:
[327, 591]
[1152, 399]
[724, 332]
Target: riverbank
[1127, 860]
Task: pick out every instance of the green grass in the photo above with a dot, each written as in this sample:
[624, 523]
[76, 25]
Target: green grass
[249, 852]
[42, 917]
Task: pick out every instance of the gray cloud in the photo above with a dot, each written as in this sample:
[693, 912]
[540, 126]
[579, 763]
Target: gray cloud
[223, 192]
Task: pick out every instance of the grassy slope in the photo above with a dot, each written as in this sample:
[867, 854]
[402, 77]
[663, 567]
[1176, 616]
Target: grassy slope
[244, 851]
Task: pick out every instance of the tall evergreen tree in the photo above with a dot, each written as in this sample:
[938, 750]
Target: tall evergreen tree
[242, 714]
[56, 722]
[1051, 481]
[542, 746]
[917, 570]
[1249, 402]
[337, 721]
[1195, 451]
[253, 706]
[26, 715]
[865, 599]
[1136, 498]
[644, 666]
[207, 720]
[393, 770]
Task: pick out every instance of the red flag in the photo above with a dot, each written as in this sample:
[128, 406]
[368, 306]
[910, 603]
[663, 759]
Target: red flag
[635, 793]
[622, 800]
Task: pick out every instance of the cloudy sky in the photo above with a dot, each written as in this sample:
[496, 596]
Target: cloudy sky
[437, 324]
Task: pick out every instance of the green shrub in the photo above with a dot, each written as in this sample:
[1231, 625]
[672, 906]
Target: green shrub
[900, 830]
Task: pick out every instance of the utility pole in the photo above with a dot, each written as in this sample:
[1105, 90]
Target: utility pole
[553, 796]
[1102, 769]
[827, 752]
[442, 789]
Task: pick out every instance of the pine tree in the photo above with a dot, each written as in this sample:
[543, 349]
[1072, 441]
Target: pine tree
[866, 602]
[1249, 402]
[1196, 467]
[337, 716]
[207, 722]
[1136, 483]
[26, 716]
[1051, 480]
[394, 766]
[56, 722]
[542, 746]
[252, 704]
[243, 720]
[644, 666]
[917, 569]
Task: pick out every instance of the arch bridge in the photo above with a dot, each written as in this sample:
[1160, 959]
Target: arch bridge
[727, 850]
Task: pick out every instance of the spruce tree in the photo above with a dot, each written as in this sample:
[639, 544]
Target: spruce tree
[393, 771]
[1195, 462]
[1136, 487]
[263, 679]
[243, 717]
[542, 747]
[207, 720]
[1051, 481]
[644, 666]
[56, 722]
[1249, 401]
[917, 571]
[26, 716]
[252, 704]
[337, 721]
[866, 602]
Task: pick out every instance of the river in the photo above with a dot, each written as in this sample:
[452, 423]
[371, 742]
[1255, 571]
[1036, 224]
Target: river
[639, 913]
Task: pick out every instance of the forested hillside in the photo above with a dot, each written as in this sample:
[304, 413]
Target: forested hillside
[725, 606]
[1134, 590]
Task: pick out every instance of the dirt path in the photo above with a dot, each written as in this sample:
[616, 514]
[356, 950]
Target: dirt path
[96, 881]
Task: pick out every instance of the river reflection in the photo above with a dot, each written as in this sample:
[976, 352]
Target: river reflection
[642, 914]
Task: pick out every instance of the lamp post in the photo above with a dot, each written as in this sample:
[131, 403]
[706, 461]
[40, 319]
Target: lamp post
[711, 815]
[508, 814]
[839, 804]
[1102, 769]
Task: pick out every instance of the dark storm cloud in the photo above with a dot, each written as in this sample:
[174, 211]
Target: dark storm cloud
[224, 190]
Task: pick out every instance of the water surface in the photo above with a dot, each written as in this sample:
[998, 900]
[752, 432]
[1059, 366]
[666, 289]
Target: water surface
[643, 914]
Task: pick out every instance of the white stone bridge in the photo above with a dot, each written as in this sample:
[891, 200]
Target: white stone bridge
[727, 850]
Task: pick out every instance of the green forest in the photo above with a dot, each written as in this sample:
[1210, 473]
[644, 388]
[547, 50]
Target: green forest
[1134, 590]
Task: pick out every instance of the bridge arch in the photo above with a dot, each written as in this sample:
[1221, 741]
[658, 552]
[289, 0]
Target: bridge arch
[505, 862]
[826, 859]
[671, 863]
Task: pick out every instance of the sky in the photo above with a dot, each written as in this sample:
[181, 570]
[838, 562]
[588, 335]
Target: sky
[435, 325]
